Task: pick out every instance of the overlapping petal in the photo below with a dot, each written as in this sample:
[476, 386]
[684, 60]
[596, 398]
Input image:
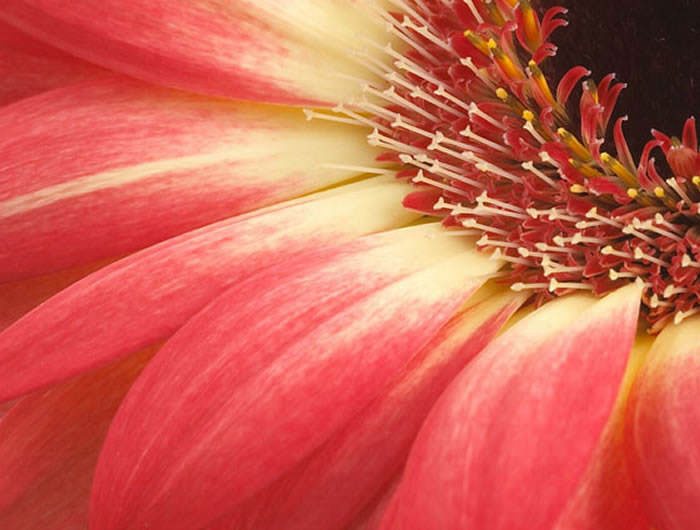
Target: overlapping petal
[272, 368]
[283, 52]
[145, 298]
[123, 166]
[608, 496]
[664, 428]
[18, 298]
[352, 468]
[29, 67]
[510, 440]
[49, 443]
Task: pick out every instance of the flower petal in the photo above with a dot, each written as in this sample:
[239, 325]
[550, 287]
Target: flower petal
[49, 444]
[261, 50]
[29, 67]
[18, 298]
[507, 444]
[266, 373]
[329, 489]
[664, 428]
[145, 298]
[594, 507]
[102, 169]
[371, 518]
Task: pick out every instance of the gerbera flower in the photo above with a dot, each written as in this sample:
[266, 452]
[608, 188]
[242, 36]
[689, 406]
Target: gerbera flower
[330, 264]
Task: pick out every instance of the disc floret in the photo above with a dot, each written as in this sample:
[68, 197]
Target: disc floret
[464, 108]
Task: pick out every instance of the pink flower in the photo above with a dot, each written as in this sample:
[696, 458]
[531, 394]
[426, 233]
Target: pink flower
[225, 301]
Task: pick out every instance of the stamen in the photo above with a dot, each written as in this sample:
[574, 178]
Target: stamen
[509, 163]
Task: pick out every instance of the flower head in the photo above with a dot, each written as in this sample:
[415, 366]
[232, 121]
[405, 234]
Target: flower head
[229, 304]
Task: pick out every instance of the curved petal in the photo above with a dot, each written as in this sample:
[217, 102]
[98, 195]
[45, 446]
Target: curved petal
[608, 496]
[29, 67]
[261, 50]
[329, 489]
[509, 441]
[18, 298]
[146, 297]
[49, 444]
[664, 428]
[268, 371]
[105, 168]
[371, 518]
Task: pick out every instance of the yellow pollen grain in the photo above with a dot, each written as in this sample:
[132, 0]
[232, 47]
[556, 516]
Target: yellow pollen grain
[502, 94]
[696, 180]
[659, 192]
[528, 115]
[632, 193]
[577, 188]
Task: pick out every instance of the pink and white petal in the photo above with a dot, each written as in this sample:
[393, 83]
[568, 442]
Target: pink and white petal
[330, 488]
[146, 297]
[49, 444]
[261, 50]
[111, 166]
[268, 371]
[608, 497]
[664, 428]
[29, 67]
[508, 443]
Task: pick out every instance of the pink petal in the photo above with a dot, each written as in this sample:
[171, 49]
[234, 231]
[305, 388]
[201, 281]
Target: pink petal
[261, 50]
[372, 517]
[29, 67]
[664, 428]
[49, 444]
[266, 373]
[145, 298]
[329, 489]
[508, 443]
[108, 167]
[18, 298]
[608, 496]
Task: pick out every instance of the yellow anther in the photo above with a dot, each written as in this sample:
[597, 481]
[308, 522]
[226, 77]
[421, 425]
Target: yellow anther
[502, 94]
[531, 25]
[510, 68]
[620, 170]
[586, 170]
[477, 41]
[528, 115]
[572, 143]
[696, 180]
[577, 188]
[659, 192]
[541, 82]
[495, 13]
[632, 193]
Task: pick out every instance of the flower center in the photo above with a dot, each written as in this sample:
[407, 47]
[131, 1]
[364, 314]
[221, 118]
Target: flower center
[513, 148]
[650, 45]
